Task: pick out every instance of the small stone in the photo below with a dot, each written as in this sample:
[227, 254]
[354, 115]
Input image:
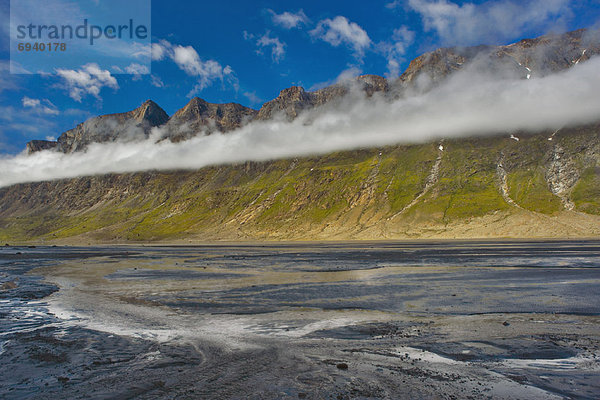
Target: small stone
[9, 285]
[343, 366]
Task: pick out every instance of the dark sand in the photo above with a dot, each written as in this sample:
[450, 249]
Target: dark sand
[302, 320]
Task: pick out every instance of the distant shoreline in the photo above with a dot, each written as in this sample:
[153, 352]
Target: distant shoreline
[284, 243]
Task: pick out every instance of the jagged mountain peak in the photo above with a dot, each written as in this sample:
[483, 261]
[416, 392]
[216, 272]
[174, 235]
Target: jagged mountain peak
[106, 128]
[199, 116]
[151, 112]
[125, 126]
[149, 102]
[290, 102]
[373, 83]
[372, 79]
[525, 59]
[198, 106]
[39, 145]
[292, 91]
[294, 100]
[197, 101]
[195, 105]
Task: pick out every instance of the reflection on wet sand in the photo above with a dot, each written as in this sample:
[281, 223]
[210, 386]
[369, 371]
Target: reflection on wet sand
[345, 320]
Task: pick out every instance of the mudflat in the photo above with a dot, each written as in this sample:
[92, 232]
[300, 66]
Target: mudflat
[435, 319]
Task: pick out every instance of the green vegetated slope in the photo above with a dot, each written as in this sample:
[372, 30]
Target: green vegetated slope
[394, 192]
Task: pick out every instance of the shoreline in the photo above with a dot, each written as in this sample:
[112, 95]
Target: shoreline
[287, 242]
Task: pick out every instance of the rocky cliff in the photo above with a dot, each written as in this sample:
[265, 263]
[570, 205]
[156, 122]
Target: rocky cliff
[292, 101]
[127, 126]
[39, 145]
[527, 58]
[201, 117]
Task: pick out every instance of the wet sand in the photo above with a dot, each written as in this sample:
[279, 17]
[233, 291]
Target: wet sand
[302, 320]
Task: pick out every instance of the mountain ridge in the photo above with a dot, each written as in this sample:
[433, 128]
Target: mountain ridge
[538, 184]
[526, 58]
[132, 125]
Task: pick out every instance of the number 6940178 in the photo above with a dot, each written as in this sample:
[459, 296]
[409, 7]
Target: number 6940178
[41, 46]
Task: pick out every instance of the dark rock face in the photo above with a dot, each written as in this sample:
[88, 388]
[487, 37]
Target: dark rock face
[372, 84]
[39, 145]
[126, 126]
[200, 116]
[554, 53]
[292, 101]
[438, 64]
[527, 58]
[151, 113]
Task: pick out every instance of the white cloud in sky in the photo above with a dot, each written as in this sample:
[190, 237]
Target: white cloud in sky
[137, 70]
[289, 20]
[395, 49]
[277, 47]
[467, 104]
[490, 22]
[252, 97]
[29, 102]
[394, 4]
[344, 76]
[339, 31]
[266, 41]
[188, 60]
[159, 50]
[90, 79]
[27, 121]
[44, 106]
[156, 81]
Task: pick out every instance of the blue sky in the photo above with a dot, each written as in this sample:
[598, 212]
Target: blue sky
[247, 51]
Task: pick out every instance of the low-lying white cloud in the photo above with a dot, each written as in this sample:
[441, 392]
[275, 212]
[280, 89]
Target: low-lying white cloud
[466, 104]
